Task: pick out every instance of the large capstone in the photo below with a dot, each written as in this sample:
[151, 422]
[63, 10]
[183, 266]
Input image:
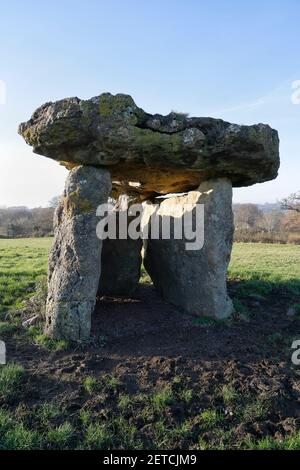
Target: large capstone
[192, 274]
[151, 154]
[75, 257]
[121, 254]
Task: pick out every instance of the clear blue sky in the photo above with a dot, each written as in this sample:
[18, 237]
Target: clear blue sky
[231, 59]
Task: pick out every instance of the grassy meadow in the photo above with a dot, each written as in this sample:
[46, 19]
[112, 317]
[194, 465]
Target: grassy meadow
[22, 263]
[269, 263]
[258, 270]
[257, 266]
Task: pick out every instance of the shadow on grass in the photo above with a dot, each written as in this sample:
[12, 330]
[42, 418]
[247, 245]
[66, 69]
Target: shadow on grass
[275, 292]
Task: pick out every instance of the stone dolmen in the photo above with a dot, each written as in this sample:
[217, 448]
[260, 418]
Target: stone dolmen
[114, 149]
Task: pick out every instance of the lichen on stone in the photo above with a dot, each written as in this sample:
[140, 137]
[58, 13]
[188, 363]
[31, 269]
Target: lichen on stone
[110, 105]
[74, 203]
[110, 130]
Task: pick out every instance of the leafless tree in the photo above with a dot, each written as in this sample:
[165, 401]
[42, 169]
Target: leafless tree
[246, 216]
[271, 221]
[291, 221]
[292, 202]
[54, 202]
[24, 222]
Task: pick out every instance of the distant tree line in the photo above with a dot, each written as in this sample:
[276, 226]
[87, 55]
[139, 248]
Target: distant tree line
[20, 221]
[280, 224]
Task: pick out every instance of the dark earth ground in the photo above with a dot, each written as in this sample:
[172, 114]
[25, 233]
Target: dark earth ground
[153, 377]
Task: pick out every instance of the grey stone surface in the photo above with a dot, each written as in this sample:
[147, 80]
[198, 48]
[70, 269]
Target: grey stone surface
[161, 154]
[194, 280]
[75, 257]
[147, 155]
[121, 258]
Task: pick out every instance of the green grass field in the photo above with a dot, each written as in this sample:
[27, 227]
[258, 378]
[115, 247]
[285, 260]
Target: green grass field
[22, 263]
[257, 269]
[266, 262]
[257, 266]
[263, 269]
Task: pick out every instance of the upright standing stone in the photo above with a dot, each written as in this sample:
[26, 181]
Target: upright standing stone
[121, 255]
[195, 280]
[75, 258]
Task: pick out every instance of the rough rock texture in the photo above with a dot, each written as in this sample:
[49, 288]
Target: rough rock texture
[75, 258]
[121, 258]
[179, 152]
[195, 280]
[147, 155]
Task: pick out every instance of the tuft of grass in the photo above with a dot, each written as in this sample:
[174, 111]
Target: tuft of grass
[6, 328]
[229, 394]
[20, 438]
[111, 383]
[211, 418]
[47, 413]
[177, 380]
[11, 381]
[5, 420]
[51, 344]
[160, 400]
[61, 437]
[161, 434]
[97, 437]
[125, 433]
[186, 395]
[165, 436]
[34, 331]
[91, 384]
[85, 417]
[266, 443]
[145, 278]
[202, 444]
[292, 442]
[125, 403]
[37, 302]
[256, 409]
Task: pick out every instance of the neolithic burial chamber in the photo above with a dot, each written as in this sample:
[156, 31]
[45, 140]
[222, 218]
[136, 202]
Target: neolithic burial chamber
[114, 148]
